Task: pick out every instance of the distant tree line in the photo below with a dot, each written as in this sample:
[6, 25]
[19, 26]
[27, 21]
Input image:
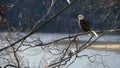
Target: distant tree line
[24, 14]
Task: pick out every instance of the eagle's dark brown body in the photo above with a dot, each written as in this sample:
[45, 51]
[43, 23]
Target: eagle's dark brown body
[84, 25]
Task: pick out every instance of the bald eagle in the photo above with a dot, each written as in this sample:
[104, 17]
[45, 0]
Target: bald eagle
[85, 25]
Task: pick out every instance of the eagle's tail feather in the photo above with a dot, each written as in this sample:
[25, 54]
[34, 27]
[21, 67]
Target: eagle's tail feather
[95, 33]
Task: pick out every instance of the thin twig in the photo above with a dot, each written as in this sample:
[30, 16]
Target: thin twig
[38, 26]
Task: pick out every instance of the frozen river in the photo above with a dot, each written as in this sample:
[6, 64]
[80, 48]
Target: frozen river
[103, 59]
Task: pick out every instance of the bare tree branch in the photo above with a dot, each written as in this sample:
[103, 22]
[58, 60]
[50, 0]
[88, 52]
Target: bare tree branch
[38, 26]
[9, 65]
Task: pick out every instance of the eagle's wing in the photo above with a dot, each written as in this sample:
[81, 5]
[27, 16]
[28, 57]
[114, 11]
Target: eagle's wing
[85, 25]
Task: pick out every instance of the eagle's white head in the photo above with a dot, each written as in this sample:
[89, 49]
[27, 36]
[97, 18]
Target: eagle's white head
[80, 17]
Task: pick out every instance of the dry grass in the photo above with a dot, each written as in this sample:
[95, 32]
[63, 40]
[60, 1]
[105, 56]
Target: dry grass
[112, 47]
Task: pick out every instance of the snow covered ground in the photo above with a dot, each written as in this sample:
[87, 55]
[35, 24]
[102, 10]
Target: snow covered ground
[34, 55]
